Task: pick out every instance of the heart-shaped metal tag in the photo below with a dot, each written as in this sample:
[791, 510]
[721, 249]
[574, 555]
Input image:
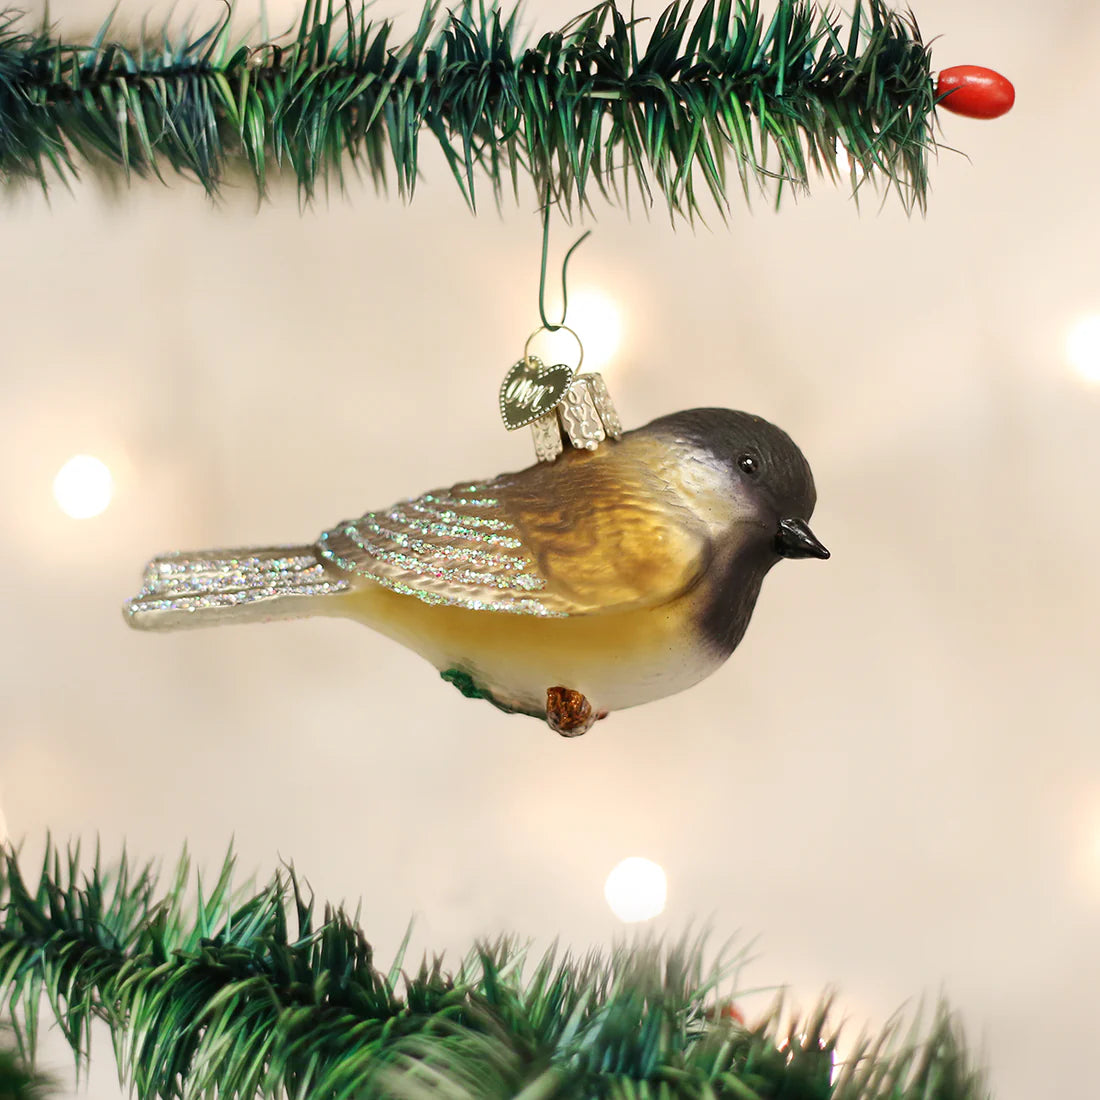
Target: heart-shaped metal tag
[531, 389]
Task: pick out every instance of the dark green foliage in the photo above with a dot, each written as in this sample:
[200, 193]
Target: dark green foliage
[251, 996]
[18, 1081]
[594, 105]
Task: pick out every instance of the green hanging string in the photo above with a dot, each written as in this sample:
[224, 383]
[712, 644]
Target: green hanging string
[547, 323]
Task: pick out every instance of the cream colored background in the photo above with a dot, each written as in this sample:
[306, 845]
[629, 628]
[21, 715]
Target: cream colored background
[895, 783]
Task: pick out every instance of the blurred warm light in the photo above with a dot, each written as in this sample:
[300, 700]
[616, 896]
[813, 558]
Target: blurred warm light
[83, 487]
[1083, 347]
[596, 319]
[636, 889]
[598, 325]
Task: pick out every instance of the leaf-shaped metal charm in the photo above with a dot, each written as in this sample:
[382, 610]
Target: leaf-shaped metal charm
[531, 389]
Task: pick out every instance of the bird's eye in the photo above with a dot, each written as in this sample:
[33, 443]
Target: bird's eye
[749, 465]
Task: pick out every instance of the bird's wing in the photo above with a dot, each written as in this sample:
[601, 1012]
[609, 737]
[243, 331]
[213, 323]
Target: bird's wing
[582, 536]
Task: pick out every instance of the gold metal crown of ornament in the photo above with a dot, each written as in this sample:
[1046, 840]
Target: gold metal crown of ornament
[561, 405]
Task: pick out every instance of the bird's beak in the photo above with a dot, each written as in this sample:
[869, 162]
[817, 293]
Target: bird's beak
[796, 540]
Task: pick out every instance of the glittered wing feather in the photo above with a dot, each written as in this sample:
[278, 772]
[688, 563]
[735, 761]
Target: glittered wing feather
[205, 587]
[452, 547]
[593, 533]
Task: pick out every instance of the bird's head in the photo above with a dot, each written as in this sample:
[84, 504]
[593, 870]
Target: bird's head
[771, 492]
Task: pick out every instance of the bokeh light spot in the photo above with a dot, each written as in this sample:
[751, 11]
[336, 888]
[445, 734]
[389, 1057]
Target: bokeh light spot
[1083, 347]
[636, 889]
[83, 487]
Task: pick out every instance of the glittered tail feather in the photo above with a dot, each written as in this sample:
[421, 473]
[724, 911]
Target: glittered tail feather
[208, 587]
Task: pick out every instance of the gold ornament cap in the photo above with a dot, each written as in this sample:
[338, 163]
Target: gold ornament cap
[560, 406]
[584, 418]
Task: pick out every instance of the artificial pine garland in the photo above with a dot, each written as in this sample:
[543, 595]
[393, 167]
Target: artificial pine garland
[253, 996]
[599, 104]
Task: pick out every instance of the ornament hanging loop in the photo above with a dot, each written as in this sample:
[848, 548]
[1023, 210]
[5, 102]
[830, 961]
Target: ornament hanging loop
[562, 407]
[555, 328]
[546, 322]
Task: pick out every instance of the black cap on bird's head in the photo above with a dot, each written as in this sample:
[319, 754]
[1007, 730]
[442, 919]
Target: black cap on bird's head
[766, 460]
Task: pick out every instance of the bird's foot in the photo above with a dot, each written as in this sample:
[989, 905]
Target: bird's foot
[569, 713]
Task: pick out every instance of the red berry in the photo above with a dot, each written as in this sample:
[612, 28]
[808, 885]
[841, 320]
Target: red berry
[975, 91]
[726, 1010]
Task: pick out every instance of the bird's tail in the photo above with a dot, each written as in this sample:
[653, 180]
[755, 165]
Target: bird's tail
[209, 587]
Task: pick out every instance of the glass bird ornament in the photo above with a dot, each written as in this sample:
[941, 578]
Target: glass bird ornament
[606, 578]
